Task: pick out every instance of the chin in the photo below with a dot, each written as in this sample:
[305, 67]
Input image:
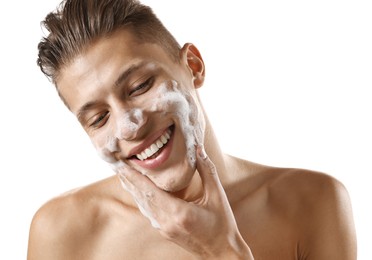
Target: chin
[174, 179]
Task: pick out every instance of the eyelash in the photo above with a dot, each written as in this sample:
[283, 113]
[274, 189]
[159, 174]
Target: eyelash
[143, 86]
[99, 120]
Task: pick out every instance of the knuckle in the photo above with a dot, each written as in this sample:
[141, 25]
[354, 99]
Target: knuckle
[212, 167]
[149, 195]
[169, 231]
[182, 224]
[184, 220]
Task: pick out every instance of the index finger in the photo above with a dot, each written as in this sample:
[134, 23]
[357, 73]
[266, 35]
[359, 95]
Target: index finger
[136, 179]
[147, 194]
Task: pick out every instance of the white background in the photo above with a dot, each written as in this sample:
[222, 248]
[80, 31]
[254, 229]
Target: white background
[288, 84]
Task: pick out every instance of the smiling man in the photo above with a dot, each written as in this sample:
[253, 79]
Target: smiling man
[175, 194]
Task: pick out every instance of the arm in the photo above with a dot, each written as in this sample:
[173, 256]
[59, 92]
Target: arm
[331, 230]
[51, 235]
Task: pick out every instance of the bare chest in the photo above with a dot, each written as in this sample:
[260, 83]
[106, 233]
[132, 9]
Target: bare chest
[268, 238]
[271, 232]
[132, 238]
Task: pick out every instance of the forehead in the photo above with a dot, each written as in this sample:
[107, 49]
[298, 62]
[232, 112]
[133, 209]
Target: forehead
[100, 63]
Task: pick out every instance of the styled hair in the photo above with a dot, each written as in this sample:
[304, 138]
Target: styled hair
[77, 23]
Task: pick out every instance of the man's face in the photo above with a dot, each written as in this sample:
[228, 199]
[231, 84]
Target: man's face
[138, 106]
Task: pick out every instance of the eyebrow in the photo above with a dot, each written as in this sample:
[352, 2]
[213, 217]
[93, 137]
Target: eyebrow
[123, 76]
[126, 73]
[85, 108]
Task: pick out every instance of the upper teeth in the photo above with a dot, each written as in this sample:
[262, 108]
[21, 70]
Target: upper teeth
[152, 149]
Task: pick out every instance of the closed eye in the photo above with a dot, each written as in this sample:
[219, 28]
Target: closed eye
[100, 120]
[142, 88]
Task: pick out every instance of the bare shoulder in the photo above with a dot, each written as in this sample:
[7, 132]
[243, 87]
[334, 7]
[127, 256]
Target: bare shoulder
[316, 205]
[311, 188]
[65, 222]
[292, 187]
[322, 206]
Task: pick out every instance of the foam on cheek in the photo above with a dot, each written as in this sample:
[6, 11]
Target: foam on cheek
[172, 100]
[106, 150]
[126, 127]
[129, 123]
[112, 144]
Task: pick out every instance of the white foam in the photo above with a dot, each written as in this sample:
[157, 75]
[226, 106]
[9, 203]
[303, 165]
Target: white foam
[148, 215]
[142, 204]
[129, 123]
[172, 99]
[118, 165]
[112, 144]
[106, 155]
[109, 147]
[126, 127]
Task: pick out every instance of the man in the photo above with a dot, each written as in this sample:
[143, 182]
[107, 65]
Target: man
[175, 195]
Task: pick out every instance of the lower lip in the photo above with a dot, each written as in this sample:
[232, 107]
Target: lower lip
[160, 159]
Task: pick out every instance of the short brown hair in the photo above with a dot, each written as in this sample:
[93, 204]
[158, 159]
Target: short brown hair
[77, 23]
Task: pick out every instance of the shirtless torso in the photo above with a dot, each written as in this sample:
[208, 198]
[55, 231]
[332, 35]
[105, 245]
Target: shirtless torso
[281, 213]
[141, 109]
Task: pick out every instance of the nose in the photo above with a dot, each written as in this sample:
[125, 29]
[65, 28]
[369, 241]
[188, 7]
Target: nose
[129, 124]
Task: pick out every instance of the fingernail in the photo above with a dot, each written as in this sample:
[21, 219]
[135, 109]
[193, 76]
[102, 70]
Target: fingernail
[202, 152]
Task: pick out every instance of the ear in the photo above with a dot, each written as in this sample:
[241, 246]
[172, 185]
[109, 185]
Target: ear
[190, 56]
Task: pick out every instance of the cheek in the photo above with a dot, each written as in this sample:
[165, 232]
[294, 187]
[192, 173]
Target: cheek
[170, 99]
[106, 145]
[125, 126]
[197, 120]
[173, 99]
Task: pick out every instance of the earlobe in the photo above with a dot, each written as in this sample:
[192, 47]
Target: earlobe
[190, 55]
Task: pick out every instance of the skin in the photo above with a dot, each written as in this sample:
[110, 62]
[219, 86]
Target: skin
[220, 208]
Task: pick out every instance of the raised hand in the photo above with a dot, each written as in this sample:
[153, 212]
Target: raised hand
[206, 227]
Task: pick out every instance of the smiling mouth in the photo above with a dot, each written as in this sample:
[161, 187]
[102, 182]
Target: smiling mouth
[155, 148]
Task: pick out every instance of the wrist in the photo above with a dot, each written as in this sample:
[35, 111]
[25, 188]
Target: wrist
[238, 252]
[235, 250]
